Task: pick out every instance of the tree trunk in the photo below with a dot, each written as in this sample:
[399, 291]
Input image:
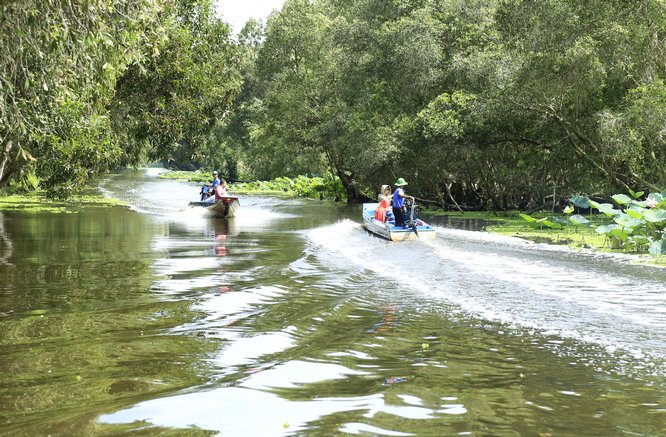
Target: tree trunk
[354, 194]
[4, 173]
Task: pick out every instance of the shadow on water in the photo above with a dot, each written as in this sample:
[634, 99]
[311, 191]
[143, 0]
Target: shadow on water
[290, 319]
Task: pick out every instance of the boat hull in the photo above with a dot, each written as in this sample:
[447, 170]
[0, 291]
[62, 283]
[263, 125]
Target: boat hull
[225, 207]
[395, 233]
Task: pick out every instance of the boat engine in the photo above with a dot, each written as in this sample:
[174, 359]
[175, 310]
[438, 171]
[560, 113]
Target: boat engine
[205, 192]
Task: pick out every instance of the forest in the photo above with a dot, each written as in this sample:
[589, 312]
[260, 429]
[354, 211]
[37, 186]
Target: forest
[478, 104]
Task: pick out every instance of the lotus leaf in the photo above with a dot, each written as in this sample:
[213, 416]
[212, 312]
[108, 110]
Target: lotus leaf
[568, 210]
[607, 209]
[640, 240]
[657, 200]
[606, 229]
[528, 218]
[658, 247]
[635, 212]
[655, 215]
[657, 197]
[578, 220]
[627, 222]
[635, 194]
[549, 223]
[620, 234]
[622, 199]
[580, 201]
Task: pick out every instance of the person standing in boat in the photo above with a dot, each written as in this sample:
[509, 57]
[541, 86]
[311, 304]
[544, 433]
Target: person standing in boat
[399, 197]
[216, 180]
[207, 191]
[383, 212]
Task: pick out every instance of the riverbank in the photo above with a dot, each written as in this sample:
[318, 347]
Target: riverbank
[315, 187]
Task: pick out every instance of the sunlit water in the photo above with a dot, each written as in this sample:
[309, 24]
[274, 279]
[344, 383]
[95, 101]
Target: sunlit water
[290, 319]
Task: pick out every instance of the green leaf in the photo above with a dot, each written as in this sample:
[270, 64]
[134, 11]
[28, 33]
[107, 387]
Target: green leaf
[549, 223]
[627, 222]
[655, 215]
[639, 240]
[656, 196]
[622, 199]
[606, 229]
[658, 247]
[528, 218]
[578, 220]
[580, 201]
[635, 212]
[635, 194]
[607, 209]
[619, 233]
[568, 210]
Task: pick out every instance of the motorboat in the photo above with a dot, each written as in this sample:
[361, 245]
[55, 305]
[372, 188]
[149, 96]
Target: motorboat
[414, 228]
[225, 207]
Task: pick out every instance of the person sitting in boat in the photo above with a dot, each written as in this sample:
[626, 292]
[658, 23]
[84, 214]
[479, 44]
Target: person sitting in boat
[218, 192]
[399, 197]
[221, 190]
[383, 212]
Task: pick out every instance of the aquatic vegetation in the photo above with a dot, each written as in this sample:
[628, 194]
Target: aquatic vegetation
[38, 202]
[631, 224]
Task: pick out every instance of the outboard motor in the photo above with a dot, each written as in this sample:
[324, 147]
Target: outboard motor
[407, 213]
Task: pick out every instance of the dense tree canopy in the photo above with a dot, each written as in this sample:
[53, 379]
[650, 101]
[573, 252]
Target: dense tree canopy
[89, 85]
[477, 103]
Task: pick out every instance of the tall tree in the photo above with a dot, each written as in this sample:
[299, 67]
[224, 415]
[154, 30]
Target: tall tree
[60, 62]
[166, 106]
[86, 86]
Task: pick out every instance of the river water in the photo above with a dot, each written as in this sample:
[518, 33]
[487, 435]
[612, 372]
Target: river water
[290, 319]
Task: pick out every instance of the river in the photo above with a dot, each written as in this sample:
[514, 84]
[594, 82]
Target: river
[290, 319]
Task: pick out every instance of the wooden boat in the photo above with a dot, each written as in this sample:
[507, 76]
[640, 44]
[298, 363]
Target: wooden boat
[416, 229]
[225, 207]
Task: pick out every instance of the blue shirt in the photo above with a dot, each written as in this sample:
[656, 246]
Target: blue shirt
[216, 182]
[397, 200]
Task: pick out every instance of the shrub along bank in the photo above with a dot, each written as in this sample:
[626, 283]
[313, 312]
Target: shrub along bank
[315, 187]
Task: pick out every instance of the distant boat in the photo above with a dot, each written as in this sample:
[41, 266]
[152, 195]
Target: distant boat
[225, 207]
[418, 229]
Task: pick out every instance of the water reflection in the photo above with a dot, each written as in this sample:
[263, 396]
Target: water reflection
[6, 245]
[287, 321]
[80, 325]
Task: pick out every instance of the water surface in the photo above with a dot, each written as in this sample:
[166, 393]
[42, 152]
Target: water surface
[290, 319]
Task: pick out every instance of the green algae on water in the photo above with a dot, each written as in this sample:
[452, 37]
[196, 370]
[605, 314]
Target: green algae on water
[38, 202]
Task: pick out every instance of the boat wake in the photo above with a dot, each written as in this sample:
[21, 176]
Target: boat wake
[543, 288]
